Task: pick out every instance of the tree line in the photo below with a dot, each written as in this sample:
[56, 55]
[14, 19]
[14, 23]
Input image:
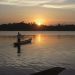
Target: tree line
[33, 27]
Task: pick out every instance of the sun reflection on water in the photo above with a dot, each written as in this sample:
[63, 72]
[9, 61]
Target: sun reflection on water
[39, 39]
[44, 40]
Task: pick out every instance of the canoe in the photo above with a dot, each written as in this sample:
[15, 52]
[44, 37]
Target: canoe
[22, 42]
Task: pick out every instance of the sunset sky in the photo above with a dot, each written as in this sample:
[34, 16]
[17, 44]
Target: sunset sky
[46, 11]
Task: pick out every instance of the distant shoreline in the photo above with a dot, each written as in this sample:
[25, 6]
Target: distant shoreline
[37, 30]
[33, 27]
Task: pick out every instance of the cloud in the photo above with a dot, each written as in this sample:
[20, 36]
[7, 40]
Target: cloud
[22, 2]
[41, 3]
[68, 6]
[70, 1]
[28, 2]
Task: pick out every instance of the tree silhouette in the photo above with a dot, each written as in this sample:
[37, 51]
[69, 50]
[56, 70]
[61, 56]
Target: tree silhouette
[33, 27]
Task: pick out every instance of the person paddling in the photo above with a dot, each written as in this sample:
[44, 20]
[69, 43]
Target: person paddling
[18, 37]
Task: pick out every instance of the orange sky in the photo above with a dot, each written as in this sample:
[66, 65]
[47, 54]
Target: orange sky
[49, 11]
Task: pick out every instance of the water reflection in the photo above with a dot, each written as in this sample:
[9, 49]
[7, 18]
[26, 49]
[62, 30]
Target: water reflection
[39, 38]
[19, 50]
[50, 49]
[45, 40]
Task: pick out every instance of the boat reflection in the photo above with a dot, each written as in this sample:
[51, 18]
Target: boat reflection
[18, 50]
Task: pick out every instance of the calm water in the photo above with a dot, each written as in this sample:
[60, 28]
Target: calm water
[48, 49]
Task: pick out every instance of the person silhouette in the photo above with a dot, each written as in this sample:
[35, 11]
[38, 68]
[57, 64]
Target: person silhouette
[18, 37]
[18, 46]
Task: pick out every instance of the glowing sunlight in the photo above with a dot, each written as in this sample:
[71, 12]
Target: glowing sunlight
[39, 39]
[39, 22]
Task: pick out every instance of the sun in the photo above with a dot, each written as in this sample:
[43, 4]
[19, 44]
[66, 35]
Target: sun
[39, 22]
